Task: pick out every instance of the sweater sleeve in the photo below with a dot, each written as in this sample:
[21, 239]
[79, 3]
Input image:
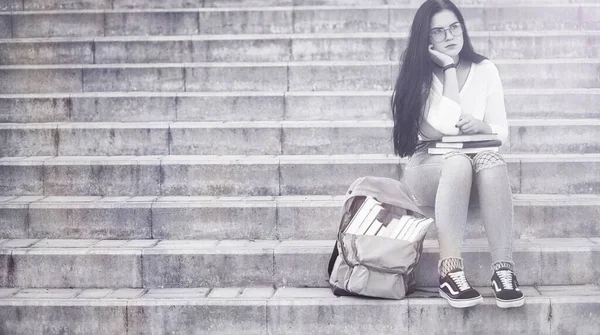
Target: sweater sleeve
[443, 113]
[429, 133]
[495, 111]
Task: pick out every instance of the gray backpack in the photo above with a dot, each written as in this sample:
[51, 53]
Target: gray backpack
[375, 266]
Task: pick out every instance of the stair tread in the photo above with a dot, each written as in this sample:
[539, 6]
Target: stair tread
[268, 93]
[324, 295]
[590, 60]
[266, 159]
[83, 246]
[353, 35]
[252, 201]
[268, 124]
[287, 8]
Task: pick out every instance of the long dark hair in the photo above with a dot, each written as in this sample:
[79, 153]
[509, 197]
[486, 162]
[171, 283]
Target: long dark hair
[414, 81]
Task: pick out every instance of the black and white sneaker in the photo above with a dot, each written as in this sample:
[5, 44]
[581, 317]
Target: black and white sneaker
[456, 289]
[506, 289]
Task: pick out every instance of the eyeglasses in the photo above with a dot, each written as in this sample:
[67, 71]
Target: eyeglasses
[439, 34]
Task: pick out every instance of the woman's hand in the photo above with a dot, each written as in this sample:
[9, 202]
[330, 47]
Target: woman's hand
[439, 58]
[470, 125]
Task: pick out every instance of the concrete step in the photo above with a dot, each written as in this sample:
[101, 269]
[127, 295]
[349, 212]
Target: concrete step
[47, 263]
[273, 76]
[283, 47]
[257, 218]
[266, 138]
[264, 310]
[274, 106]
[261, 175]
[33, 5]
[285, 20]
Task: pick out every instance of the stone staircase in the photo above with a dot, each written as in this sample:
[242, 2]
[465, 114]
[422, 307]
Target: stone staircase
[178, 166]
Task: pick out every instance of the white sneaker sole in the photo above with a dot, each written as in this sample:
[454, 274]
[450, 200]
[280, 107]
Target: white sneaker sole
[510, 303]
[461, 303]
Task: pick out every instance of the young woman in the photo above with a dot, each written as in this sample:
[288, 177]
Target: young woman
[446, 88]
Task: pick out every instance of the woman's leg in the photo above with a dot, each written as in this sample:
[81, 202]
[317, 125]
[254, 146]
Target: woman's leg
[444, 182]
[495, 201]
[451, 208]
[453, 174]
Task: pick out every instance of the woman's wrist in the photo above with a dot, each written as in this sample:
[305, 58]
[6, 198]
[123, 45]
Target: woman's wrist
[448, 67]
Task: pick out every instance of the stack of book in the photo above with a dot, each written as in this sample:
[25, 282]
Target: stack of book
[468, 144]
[372, 218]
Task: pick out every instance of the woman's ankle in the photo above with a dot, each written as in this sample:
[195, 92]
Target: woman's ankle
[449, 264]
[503, 264]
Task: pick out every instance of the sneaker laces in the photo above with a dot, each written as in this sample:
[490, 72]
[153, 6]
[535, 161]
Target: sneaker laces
[460, 280]
[506, 277]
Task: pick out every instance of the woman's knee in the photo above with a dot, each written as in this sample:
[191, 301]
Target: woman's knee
[486, 160]
[458, 162]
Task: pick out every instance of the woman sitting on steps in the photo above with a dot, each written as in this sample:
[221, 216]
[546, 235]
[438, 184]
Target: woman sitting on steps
[445, 88]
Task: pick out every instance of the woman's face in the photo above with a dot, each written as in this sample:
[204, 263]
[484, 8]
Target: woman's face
[448, 41]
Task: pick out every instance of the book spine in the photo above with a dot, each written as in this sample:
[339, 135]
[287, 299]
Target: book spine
[424, 227]
[483, 144]
[382, 232]
[469, 138]
[448, 145]
[360, 215]
[404, 220]
[411, 230]
[407, 228]
[391, 227]
[369, 220]
[374, 228]
[418, 228]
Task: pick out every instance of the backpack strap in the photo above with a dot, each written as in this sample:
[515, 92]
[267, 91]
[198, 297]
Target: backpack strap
[334, 256]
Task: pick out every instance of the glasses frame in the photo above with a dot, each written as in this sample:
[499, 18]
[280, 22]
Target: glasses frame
[447, 29]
